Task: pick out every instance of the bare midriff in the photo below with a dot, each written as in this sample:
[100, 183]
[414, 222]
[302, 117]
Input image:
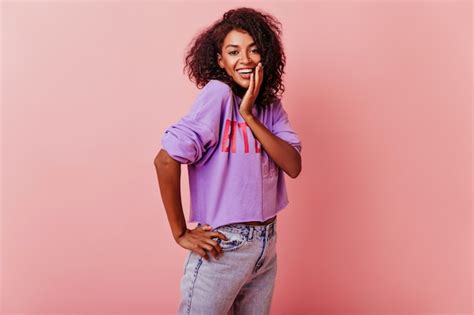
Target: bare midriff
[259, 222]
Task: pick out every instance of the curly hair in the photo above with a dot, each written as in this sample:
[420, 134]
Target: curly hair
[201, 58]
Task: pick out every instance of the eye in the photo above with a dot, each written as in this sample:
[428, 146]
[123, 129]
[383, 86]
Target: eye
[255, 50]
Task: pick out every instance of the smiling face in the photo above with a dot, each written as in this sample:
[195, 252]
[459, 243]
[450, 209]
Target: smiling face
[239, 52]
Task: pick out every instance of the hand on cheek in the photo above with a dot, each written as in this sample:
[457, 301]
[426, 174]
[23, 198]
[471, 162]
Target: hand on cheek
[250, 96]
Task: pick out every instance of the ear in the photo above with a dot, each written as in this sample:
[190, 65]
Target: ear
[219, 61]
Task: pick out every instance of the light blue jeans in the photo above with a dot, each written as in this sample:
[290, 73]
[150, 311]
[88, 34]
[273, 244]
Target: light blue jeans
[241, 282]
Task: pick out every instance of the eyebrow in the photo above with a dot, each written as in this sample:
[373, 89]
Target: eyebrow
[232, 45]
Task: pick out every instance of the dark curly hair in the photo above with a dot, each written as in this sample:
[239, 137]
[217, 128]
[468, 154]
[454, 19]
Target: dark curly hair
[201, 58]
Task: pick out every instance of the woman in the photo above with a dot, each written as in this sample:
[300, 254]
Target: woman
[237, 143]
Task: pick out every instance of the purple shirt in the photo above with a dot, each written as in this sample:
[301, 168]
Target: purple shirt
[231, 178]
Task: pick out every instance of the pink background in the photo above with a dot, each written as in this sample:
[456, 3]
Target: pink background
[379, 220]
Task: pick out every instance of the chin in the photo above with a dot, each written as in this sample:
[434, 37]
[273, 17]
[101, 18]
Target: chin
[243, 84]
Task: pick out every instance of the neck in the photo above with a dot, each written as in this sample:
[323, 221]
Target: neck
[238, 90]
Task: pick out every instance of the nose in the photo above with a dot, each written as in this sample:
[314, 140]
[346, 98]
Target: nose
[245, 58]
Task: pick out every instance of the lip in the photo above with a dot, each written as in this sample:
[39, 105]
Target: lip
[244, 76]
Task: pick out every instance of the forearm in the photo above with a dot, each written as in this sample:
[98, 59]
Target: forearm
[169, 176]
[283, 153]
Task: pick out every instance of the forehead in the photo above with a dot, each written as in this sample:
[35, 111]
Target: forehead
[239, 38]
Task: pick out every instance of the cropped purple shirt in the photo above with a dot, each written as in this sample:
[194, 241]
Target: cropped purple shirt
[231, 177]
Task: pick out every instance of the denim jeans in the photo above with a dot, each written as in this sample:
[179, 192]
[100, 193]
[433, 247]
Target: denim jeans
[241, 282]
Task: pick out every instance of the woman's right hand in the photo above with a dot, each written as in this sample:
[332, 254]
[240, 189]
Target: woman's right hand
[200, 239]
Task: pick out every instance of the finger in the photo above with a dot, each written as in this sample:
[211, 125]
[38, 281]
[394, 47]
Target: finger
[257, 78]
[202, 253]
[261, 75]
[216, 252]
[216, 249]
[204, 244]
[212, 250]
[207, 249]
[251, 85]
[219, 235]
[207, 227]
[211, 241]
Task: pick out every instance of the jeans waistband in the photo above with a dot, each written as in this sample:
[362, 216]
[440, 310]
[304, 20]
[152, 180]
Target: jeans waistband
[248, 231]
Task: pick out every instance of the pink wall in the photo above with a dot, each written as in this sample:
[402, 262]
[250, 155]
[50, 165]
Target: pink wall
[379, 220]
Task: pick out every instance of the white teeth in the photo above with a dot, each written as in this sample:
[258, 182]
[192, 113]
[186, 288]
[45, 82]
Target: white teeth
[245, 71]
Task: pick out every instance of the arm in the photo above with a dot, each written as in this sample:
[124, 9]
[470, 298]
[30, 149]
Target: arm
[168, 172]
[198, 240]
[186, 142]
[283, 153]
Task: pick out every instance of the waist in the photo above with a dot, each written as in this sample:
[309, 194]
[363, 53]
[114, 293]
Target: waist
[258, 222]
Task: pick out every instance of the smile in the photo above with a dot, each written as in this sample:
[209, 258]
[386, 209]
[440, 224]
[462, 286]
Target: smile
[245, 73]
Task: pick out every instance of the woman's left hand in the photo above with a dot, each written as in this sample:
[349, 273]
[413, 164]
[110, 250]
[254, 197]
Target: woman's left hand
[250, 96]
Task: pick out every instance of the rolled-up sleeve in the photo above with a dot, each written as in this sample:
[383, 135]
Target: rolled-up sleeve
[192, 136]
[281, 126]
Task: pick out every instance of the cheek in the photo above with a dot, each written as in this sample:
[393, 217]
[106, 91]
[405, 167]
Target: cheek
[228, 71]
[230, 68]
